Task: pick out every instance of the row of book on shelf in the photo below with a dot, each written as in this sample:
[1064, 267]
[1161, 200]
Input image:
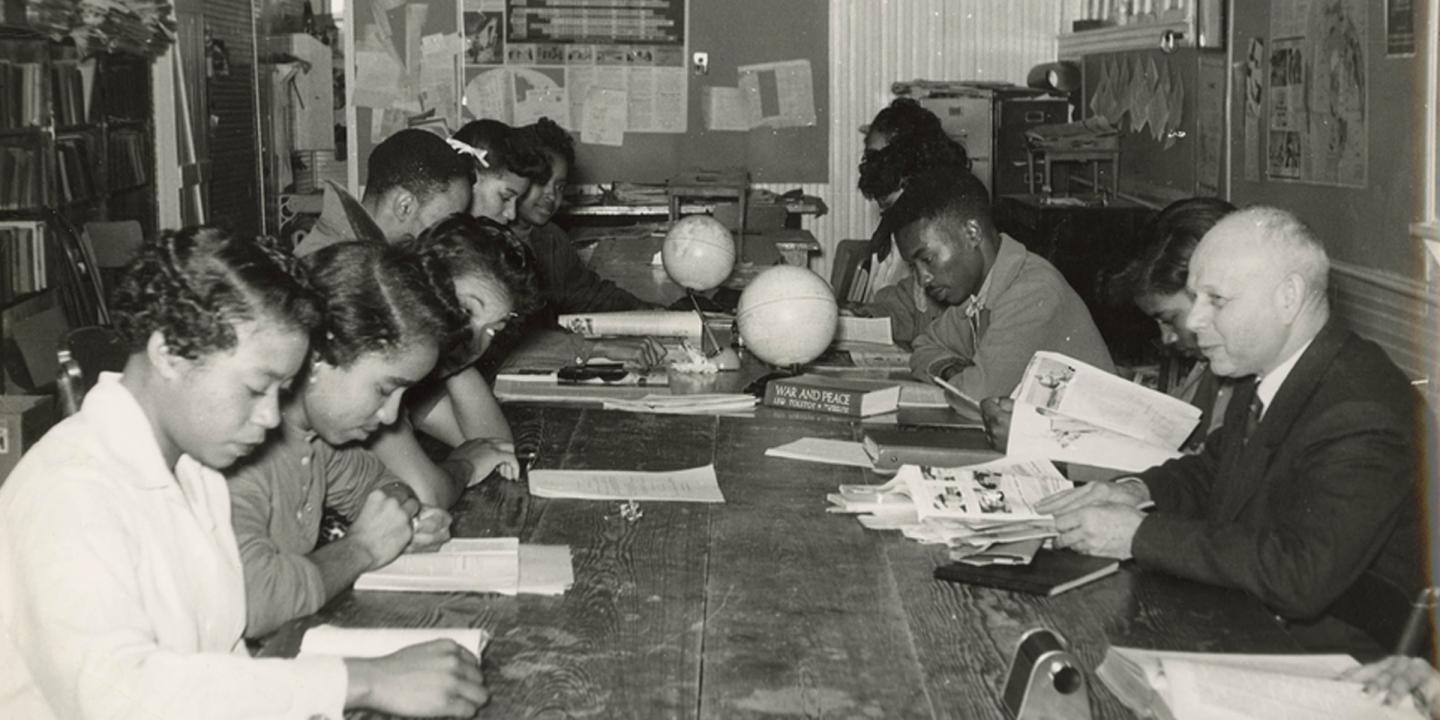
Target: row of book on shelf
[21, 162]
[71, 88]
[22, 258]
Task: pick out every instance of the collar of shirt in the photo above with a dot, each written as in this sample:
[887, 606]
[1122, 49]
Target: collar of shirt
[1269, 384]
[122, 425]
[1009, 258]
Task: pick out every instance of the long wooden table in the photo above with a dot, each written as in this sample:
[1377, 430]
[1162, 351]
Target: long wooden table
[766, 605]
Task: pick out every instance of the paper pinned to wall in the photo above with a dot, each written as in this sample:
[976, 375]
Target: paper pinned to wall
[553, 103]
[783, 91]
[726, 110]
[377, 79]
[605, 117]
[440, 54]
[488, 94]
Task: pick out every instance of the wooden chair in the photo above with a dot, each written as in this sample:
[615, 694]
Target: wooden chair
[83, 354]
[849, 254]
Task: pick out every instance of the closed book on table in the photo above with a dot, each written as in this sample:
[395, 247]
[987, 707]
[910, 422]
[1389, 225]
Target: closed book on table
[834, 395]
[1052, 572]
[889, 448]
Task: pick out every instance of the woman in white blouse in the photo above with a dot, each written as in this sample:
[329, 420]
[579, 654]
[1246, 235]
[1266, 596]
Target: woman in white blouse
[121, 592]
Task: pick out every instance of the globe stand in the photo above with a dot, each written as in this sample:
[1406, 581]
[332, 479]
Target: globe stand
[757, 386]
[706, 333]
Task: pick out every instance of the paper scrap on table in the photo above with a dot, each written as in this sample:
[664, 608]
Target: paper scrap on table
[783, 93]
[604, 118]
[726, 110]
[375, 642]
[821, 450]
[701, 404]
[864, 329]
[690, 485]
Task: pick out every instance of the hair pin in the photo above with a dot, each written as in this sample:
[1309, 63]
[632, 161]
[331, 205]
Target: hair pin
[465, 148]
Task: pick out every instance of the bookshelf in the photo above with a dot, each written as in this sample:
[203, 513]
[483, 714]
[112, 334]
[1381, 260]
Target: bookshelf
[75, 138]
[76, 145]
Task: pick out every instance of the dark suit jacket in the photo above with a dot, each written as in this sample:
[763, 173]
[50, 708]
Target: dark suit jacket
[1328, 487]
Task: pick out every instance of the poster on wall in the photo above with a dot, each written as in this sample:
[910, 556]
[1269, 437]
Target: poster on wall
[598, 69]
[1317, 129]
[1399, 28]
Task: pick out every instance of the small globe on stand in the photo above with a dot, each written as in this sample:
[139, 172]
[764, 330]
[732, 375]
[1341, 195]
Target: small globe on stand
[787, 316]
[698, 253]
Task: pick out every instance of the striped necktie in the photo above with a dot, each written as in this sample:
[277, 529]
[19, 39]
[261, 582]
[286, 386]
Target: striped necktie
[1252, 418]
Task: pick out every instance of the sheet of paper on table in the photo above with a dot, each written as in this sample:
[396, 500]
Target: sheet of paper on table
[689, 485]
[498, 565]
[1231, 685]
[821, 450]
[699, 404]
[375, 642]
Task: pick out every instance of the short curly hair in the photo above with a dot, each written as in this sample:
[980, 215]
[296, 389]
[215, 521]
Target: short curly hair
[195, 284]
[886, 170]
[462, 245]
[416, 160]
[377, 299]
[554, 140]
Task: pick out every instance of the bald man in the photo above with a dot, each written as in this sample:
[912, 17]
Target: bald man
[1314, 478]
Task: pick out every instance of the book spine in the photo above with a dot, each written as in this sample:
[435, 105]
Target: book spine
[781, 394]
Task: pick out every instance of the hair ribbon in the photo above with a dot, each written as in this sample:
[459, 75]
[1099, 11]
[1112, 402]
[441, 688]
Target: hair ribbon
[465, 148]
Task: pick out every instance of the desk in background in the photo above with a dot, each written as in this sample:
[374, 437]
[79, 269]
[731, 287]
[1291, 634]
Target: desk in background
[765, 605]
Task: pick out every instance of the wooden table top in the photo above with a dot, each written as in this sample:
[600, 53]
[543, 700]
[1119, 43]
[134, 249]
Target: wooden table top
[765, 605]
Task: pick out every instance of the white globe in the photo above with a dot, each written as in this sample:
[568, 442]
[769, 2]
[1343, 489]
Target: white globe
[698, 253]
[787, 315]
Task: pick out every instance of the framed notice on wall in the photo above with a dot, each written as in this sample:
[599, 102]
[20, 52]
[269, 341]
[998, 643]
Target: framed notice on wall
[600, 70]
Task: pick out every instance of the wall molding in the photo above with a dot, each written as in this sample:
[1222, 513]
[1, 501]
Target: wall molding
[1406, 287]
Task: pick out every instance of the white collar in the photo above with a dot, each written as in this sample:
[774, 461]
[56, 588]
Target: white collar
[1270, 383]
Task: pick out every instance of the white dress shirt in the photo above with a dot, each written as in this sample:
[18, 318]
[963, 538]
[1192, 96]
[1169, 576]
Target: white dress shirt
[1270, 383]
[121, 591]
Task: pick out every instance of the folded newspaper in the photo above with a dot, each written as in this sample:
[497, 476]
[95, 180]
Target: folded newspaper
[974, 506]
[1068, 411]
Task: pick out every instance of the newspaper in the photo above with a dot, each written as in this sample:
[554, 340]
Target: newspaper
[1067, 387]
[1040, 433]
[1004, 490]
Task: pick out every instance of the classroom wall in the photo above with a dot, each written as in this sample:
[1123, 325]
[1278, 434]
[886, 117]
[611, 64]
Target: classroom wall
[874, 43]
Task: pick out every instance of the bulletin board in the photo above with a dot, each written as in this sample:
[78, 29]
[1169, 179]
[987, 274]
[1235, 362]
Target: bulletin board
[617, 75]
[1324, 124]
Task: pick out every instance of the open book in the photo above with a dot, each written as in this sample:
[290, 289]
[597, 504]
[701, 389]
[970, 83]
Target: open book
[498, 565]
[1068, 411]
[1215, 686]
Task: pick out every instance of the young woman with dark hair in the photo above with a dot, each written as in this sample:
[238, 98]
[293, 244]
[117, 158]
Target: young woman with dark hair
[383, 326]
[505, 167]
[121, 590]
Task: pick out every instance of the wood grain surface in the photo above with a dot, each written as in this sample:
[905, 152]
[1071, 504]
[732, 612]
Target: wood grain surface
[765, 606]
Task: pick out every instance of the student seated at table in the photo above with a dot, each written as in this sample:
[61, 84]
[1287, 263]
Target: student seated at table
[904, 140]
[382, 330]
[1002, 302]
[568, 286]
[414, 179]
[543, 158]
[1315, 478]
[474, 261]
[121, 592]
[1156, 280]
[505, 167]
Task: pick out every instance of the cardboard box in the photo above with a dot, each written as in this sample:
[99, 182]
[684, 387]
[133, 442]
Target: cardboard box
[23, 419]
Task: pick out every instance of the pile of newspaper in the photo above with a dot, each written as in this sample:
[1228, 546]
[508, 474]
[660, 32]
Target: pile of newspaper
[979, 510]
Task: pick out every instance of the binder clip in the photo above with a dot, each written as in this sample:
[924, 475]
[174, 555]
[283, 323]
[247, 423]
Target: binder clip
[1045, 681]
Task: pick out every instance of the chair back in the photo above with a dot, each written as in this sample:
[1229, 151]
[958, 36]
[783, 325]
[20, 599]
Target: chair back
[849, 254]
[83, 354]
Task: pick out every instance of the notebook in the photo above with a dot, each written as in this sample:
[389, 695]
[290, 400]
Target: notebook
[1052, 572]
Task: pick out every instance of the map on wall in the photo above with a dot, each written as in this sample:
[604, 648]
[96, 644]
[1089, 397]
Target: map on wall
[598, 69]
[1317, 106]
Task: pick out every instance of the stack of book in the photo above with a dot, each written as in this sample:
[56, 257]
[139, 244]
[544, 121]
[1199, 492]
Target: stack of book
[67, 93]
[22, 100]
[20, 187]
[73, 163]
[22, 256]
[127, 159]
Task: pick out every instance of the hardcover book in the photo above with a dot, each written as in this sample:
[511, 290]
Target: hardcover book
[833, 395]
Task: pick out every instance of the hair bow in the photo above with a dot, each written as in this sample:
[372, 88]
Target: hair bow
[467, 149]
